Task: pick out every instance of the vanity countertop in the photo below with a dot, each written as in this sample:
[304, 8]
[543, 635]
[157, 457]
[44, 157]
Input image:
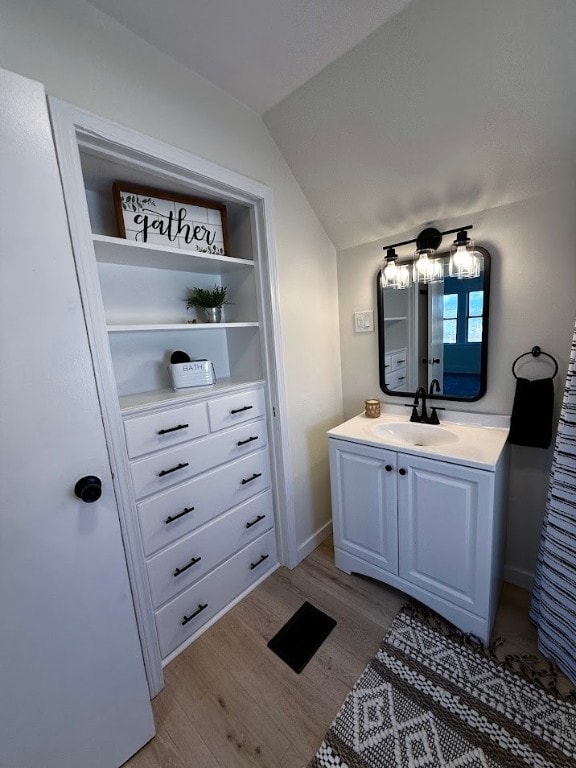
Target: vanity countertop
[475, 439]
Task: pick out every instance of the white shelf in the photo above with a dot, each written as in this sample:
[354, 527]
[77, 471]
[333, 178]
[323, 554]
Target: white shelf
[163, 397]
[115, 250]
[131, 327]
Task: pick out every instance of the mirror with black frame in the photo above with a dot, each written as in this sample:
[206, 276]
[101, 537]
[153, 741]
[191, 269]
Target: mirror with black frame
[435, 331]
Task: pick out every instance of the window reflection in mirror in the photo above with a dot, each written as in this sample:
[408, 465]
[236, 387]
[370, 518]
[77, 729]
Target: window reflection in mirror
[436, 331]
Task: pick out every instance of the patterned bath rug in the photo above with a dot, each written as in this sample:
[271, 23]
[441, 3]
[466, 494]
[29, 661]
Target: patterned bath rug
[434, 698]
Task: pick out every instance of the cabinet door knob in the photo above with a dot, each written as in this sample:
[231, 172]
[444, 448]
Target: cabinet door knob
[88, 488]
[402, 471]
[389, 467]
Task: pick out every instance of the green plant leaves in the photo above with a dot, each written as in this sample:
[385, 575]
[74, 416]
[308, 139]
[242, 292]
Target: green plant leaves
[206, 297]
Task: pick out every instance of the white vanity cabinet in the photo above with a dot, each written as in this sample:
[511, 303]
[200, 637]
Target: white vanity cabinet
[364, 515]
[431, 528]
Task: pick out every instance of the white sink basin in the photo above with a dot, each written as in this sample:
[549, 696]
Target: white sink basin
[410, 433]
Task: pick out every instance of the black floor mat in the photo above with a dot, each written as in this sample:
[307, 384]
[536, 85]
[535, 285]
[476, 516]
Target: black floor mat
[301, 636]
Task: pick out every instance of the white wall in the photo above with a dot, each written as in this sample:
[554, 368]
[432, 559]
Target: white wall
[532, 301]
[84, 57]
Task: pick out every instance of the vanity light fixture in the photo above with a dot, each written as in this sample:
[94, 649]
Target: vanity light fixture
[464, 260]
[394, 275]
[425, 269]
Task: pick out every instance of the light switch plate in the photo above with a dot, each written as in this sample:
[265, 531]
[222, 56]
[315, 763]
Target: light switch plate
[364, 321]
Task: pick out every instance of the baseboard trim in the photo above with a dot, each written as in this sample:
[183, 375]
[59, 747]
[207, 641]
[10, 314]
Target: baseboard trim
[519, 577]
[314, 541]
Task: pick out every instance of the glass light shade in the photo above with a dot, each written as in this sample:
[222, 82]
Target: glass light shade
[464, 260]
[427, 270]
[395, 275]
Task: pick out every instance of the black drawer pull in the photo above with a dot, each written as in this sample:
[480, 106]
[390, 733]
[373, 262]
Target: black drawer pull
[389, 467]
[239, 410]
[174, 469]
[173, 429]
[401, 378]
[171, 518]
[253, 522]
[186, 619]
[257, 563]
[192, 562]
[243, 442]
[399, 362]
[402, 471]
[249, 479]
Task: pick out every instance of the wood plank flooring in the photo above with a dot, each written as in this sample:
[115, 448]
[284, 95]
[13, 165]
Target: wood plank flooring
[229, 702]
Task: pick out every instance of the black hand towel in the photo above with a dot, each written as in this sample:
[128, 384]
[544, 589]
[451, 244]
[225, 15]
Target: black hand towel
[531, 421]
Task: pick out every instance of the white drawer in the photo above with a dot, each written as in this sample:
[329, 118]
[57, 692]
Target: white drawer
[396, 380]
[398, 359]
[180, 510]
[188, 559]
[234, 409]
[166, 468]
[175, 513]
[185, 614]
[155, 431]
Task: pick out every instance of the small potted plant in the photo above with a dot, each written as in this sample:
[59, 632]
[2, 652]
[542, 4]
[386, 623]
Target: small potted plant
[210, 300]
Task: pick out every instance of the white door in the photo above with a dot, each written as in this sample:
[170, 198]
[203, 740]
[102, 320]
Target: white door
[444, 515]
[364, 503]
[436, 333]
[73, 692]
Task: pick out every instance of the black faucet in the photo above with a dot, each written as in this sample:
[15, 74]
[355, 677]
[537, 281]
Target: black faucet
[423, 417]
[433, 418]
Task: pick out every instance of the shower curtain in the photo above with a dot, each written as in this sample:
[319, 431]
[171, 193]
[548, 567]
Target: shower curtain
[553, 607]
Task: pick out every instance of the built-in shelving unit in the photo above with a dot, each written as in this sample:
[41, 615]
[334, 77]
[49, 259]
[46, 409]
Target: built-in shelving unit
[131, 253]
[222, 444]
[143, 288]
[151, 400]
[131, 328]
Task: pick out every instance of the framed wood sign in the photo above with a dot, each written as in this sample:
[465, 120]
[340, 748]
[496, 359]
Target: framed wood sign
[163, 218]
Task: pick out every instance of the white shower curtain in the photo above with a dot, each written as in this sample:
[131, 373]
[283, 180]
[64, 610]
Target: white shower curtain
[553, 607]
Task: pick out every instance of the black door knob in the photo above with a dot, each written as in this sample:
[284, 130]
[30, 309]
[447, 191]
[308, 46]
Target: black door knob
[389, 467]
[88, 488]
[402, 471]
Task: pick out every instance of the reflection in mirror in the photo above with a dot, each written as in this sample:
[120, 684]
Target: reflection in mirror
[436, 331]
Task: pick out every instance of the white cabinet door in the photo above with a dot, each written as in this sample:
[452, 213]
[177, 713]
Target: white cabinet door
[444, 519]
[73, 690]
[364, 502]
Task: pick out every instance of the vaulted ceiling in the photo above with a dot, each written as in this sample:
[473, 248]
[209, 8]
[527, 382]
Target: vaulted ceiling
[257, 50]
[390, 114]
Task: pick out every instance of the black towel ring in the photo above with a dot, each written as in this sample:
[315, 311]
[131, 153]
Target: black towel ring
[535, 352]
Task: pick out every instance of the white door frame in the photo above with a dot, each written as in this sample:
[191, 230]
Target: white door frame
[72, 126]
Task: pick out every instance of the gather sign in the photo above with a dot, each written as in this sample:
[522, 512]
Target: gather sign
[162, 218]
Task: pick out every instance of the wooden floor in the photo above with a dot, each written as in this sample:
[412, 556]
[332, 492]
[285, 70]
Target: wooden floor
[229, 702]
